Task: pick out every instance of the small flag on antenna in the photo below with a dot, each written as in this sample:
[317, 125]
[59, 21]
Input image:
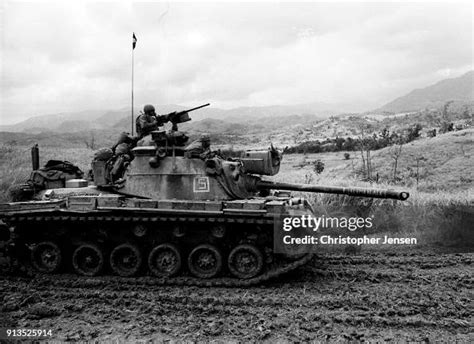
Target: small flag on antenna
[134, 41]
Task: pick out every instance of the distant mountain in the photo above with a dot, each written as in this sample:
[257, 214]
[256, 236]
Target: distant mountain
[457, 89]
[74, 126]
[51, 122]
[262, 116]
[318, 109]
[265, 115]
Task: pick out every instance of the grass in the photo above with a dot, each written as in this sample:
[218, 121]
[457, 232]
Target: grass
[444, 163]
[440, 217]
[15, 163]
[439, 209]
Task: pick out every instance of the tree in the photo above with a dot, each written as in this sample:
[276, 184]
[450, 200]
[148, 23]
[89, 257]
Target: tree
[418, 159]
[466, 114]
[318, 166]
[431, 133]
[414, 132]
[339, 143]
[395, 153]
[365, 144]
[308, 178]
[445, 110]
[445, 124]
[90, 141]
[384, 138]
[349, 144]
[446, 127]
[347, 156]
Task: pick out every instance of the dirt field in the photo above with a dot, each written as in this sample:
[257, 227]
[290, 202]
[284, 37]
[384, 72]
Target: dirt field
[417, 294]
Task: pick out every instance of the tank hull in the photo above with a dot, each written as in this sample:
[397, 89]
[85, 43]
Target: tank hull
[109, 221]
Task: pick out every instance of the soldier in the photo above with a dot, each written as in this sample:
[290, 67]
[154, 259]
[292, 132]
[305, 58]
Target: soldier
[199, 148]
[149, 121]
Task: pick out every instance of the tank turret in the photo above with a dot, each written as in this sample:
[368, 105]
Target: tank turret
[167, 168]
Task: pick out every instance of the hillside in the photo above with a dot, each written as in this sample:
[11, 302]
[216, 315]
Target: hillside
[121, 118]
[460, 89]
[290, 130]
[444, 163]
[52, 122]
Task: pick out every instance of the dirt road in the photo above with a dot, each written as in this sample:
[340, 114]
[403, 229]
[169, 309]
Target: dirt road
[422, 295]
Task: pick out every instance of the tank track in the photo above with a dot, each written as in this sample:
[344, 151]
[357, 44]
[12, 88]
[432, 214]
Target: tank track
[272, 271]
[225, 282]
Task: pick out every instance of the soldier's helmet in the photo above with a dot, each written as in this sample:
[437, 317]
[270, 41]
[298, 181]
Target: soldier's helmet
[205, 140]
[148, 108]
[205, 137]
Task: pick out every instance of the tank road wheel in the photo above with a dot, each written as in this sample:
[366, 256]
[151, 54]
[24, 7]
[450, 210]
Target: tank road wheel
[245, 261]
[46, 257]
[164, 260]
[205, 261]
[88, 260]
[125, 260]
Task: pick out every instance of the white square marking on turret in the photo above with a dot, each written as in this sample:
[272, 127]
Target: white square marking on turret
[201, 184]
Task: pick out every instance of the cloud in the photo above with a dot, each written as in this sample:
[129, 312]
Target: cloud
[67, 56]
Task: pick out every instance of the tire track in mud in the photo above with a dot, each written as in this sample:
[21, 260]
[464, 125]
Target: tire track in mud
[411, 268]
[336, 296]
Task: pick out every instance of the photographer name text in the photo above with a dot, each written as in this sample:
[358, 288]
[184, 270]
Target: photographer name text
[347, 240]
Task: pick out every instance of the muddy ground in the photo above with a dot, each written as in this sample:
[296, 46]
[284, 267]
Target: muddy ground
[422, 295]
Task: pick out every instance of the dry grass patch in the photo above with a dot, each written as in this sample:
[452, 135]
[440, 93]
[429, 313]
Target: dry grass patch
[15, 163]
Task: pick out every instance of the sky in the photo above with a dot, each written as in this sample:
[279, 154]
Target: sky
[77, 55]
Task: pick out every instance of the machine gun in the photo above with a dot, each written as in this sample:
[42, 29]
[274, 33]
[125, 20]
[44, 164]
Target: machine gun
[176, 117]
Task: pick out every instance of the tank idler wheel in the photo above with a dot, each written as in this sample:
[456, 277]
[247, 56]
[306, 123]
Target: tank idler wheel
[125, 260]
[164, 260]
[46, 257]
[245, 261]
[88, 260]
[205, 261]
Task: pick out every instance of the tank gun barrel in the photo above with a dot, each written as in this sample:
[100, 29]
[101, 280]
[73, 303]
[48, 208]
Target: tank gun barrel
[350, 191]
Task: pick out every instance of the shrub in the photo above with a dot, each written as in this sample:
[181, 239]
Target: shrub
[318, 166]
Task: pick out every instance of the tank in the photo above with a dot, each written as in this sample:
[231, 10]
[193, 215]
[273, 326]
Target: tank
[162, 207]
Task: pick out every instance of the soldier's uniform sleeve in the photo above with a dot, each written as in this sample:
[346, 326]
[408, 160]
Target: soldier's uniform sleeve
[146, 124]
